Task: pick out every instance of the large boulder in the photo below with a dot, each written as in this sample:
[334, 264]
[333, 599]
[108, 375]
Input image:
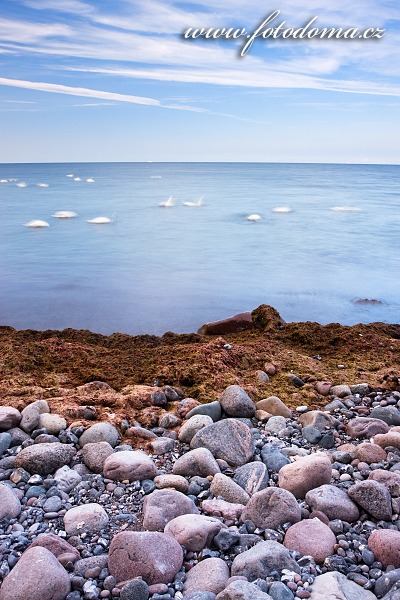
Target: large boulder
[192, 426]
[305, 474]
[229, 439]
[196, 462]
[99, 432]
[45, 458]
[38, 575]
[236, 402]
[154, 556]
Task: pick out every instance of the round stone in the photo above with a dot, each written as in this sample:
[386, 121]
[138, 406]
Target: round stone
[311, 537]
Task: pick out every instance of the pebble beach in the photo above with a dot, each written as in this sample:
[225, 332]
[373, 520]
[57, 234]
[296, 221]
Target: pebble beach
[252, 460]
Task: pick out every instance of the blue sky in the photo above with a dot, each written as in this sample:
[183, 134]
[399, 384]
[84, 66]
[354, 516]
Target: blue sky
[86, 80]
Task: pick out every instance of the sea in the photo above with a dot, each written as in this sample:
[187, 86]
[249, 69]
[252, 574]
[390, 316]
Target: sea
[154, 269]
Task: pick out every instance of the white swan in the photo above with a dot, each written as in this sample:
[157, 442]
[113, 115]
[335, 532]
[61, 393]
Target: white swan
[346, 209]
[90, 180]
[77, 179]
[282, 209]
[198, 202]
[168, 203]
[64, 214]
[22, 184]
[254, 218]
[70, 175]
[43, 185]
[101, 220]
[37, 223]
[3, 180]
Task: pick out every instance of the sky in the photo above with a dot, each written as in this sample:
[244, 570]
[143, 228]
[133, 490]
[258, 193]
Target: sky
[87, 80]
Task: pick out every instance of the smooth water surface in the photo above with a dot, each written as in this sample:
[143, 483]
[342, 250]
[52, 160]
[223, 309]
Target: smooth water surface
[156, 269]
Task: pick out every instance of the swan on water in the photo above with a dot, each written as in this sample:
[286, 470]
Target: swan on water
[64, 214]
[3, 180]
[101, 220]
[168, 203]
[90, 180]
[77, 179]
[282, 209]
[43, 185]
[37, 223]
[254, 218]
[346, 209]
[70, 175]
[198, 202]
[22, 184]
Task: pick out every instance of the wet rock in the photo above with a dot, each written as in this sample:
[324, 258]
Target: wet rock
[271, 508]
[229, 439]
[5, 441]
[9, 417]
[236, 402]
[129, 465]
[239, 322]
[18, 436]
[208, 575]
[385, 544]
[252, 477]
[94, 455]
[45, 458]
[311, 537]
[386, 582]
[195, 532]
[10, 506]
[365, 427]
[38, 575]
[333, 502]
[336, 585]
[230, 491]
[161, 506]
[192, 426]
[196, 462]
[305, 474]
[372, 497]
[212, 409]
[86, 518]
[242, 590]
[100, 432]
[156, 557]
[262, 559]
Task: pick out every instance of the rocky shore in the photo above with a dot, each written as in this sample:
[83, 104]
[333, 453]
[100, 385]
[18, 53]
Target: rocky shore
[270, 467]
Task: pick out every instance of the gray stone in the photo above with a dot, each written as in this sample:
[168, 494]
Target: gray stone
[161, 506]
[225, 487]
[336, 585]
[9, 417]
[31, 415]
[236, 402]
[384, 584]
[273, 458]
[192, 426]
[373, 497]
[360, 388]
[361, 427]
[100, 432]
[212, 409]
[130, 466]
[229, 439]
[38, 575]
[92, 562]
[333, 502]
[196, 462]
[53, 423]
[168, 421]
[200, 596]
[156, 557]
[275, 425]
[208, 575]
[5, 441]
[195, 532]
[135, 589]
[311, 434]
[271, 508]
[262, 559]
[279, 591]
[318, 419]
[86, 518]
[388, 414]
[252, 477]
[10, 506]
[341, 391]
[45, 458]
[94, 455]
[67, 479]
[18, 436]
[242, 590]
[161, 445]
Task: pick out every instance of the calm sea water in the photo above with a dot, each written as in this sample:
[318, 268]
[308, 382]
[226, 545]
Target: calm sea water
[171, 269]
